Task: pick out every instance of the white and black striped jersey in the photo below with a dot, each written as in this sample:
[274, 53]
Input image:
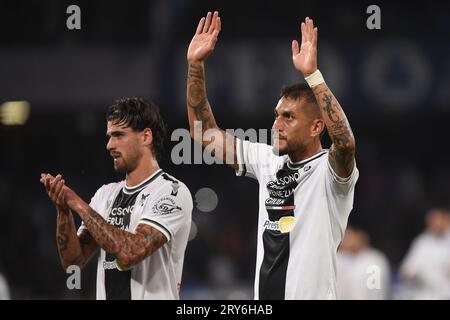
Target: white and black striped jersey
[303, 214]
[162, 202]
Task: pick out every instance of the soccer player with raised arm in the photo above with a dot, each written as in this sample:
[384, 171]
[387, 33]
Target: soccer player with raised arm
[306, 192]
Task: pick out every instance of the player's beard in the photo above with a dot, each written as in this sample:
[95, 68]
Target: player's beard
[123, 165]
[120, 165]
[288, 147]
[280, 147]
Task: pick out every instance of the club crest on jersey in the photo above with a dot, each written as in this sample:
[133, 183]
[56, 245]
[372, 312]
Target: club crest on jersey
[284, 225]
[165, 205]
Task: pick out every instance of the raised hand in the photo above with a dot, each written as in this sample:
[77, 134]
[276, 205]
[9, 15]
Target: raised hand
[205, 38]
[305, 57]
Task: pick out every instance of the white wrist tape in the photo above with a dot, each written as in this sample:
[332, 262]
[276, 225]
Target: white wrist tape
[315, 78]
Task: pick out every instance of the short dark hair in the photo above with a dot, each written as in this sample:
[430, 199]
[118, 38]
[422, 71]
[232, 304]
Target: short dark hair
[298, 91]
[138, 114]
[301, 91]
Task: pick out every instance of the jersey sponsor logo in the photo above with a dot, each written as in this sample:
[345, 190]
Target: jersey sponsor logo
[274, 202]
[109, 265]
[284, 186]
[165, 205]
[284, 225]
[280, 193]
[284, 180]
[120, 217]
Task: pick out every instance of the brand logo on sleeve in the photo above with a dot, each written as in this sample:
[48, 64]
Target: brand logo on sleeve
[143, 198]
[175, 186]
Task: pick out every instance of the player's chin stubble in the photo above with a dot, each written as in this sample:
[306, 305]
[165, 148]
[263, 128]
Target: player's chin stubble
[119, 167]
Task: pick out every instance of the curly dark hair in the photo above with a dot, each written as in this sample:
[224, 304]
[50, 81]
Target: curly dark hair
[138, 114]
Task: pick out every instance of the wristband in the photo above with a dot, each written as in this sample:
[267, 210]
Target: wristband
[315, 78]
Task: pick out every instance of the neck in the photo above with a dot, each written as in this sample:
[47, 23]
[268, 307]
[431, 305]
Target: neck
[143, 171]
[307, 152]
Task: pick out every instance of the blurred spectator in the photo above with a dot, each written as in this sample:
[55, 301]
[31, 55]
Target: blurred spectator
[426, 269]
[4, 289]
[363, 272]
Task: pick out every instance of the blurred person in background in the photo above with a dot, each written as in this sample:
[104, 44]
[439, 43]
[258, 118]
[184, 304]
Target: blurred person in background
[4, 289]
[141, 223]
[306, 192]
[363, 273]
[425, 271]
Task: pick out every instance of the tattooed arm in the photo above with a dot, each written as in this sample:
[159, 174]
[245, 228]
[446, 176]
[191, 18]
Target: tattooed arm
[72, 249]
[342, 151]
[128, 248]
[202, 124]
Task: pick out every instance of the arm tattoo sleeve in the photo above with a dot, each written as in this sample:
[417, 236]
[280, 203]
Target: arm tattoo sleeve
[127, 247]
[69, 247]
[342, 151]
[200, 112]
[196, 97]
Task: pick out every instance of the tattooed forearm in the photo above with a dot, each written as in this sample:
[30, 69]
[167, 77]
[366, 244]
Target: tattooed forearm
[331, 112]
[342, 151]
[128, 248]
[69, 247]
[62, 238]
[334, 117]
[103, 233]
[201, 118]
[196, 94]
[199, 108]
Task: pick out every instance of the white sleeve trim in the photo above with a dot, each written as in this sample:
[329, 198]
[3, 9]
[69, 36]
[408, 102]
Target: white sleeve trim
[158, 226]
[339, 179]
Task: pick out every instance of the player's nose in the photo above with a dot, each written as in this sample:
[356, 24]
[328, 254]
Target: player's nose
[110, 145]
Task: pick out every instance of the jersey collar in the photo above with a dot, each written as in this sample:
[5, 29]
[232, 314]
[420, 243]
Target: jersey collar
[299, 164]
[143, 184]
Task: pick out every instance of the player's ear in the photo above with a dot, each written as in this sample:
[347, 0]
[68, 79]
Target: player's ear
[317, 127]
[147, 137]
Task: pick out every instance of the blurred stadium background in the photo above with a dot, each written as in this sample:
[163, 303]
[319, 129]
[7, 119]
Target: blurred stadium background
[393, 83]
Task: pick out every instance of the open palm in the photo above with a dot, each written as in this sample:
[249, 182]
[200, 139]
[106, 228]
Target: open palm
[205, 38]
[305, 57]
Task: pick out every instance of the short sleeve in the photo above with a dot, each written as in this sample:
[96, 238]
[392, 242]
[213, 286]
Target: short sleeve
[340, 185]
[169, 210]
[254, 159]
[340, 196]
